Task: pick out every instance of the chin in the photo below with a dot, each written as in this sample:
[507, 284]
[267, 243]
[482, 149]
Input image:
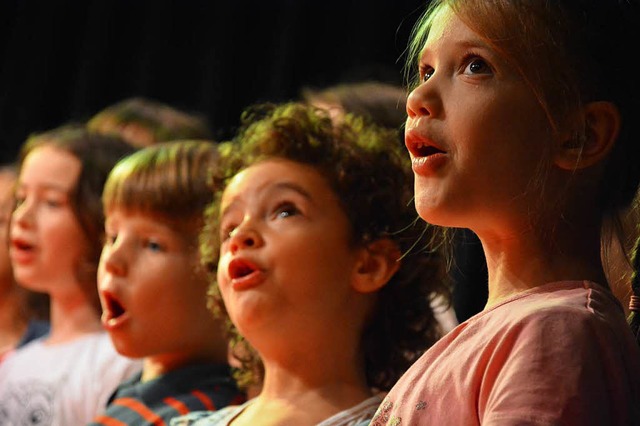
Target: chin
[29, 280]
[125, 349]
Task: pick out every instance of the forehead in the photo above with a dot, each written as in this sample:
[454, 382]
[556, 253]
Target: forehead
[147, 222]
[7, 180]
[271, 173]
[446, 27]
[49, 166]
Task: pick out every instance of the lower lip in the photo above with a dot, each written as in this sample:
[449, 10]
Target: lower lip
[21, 256]
[426, 166]
[112, 324]
[254, 279]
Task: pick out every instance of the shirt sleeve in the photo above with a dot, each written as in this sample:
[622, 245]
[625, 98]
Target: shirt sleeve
[549, 369]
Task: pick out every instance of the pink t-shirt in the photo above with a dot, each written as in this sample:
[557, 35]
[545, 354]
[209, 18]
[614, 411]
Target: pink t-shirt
[559, 354]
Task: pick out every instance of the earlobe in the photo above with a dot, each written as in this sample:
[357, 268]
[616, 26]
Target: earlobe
[380, 260]
[600, 125]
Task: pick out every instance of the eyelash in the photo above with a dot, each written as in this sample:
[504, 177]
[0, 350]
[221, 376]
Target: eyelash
[468, 59]
[109, 239]
[286, 207]
[283, 210]
[153, 245]
[225, 232]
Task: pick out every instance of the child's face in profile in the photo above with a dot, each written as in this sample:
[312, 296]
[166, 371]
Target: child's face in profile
[286, 264]
[476, 132]
[47, 241]
[152, 292]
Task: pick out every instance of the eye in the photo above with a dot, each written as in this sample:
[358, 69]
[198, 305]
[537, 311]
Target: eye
[477, 65]
[287, 209]
[53, 203]
[19, 200]
[225, 232]
[426, 73]
[110, 239]
[153, 245]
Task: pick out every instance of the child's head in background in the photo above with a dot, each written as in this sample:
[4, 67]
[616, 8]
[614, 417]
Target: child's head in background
[143, 122]
[57, 226]
[322, 214]
[152, 286]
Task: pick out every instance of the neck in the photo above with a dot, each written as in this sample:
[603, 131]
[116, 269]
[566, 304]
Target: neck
[530, 259]
[72, 317]
[297, 391]
[13, 323]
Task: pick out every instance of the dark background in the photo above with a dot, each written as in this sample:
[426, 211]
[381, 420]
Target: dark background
[65, 60]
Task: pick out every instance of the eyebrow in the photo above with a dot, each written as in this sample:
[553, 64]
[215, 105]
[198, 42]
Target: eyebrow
[462, 44]
[47, 187]
[293, 187]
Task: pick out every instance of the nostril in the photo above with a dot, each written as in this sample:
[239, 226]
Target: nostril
[243, 238]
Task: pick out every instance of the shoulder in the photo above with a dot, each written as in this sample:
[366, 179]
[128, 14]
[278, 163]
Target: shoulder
[35, 329]
[360, 414]
[576, 308]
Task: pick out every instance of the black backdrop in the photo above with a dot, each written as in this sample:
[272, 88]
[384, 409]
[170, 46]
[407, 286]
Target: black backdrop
[64, 60]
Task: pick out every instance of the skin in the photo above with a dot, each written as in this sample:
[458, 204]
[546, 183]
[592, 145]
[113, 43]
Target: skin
[47, 242]
[492, 135]
[12, 322]
[299, 306]
[7, 180]
[151, 270]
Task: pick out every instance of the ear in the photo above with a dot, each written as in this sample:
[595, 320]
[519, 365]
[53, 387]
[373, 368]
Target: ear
[600, 124]
[378, 262]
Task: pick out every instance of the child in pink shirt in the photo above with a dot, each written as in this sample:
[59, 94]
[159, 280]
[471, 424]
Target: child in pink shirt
[521, 126]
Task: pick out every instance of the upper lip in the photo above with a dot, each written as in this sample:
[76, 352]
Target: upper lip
[240, 267]
[21, 243]
[421, 145]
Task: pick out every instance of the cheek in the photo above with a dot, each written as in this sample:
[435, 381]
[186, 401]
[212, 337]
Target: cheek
[64, 235]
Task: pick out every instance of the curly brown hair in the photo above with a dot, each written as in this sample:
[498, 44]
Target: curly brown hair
[371, 175]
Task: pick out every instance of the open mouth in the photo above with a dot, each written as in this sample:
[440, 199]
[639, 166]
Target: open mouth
[113, 311]
[22, 252]
[22, 245]
[422, 149]
[421, 146]
[244, 275]
[426, 150]
[240, 269]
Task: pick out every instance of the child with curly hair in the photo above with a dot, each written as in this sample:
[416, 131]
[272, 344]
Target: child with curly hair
[320, 265]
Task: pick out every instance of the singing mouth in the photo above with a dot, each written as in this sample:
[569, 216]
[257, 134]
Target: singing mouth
[421, 146]
[244, 275]
[22, 245]
[113, 309]
[239, 268]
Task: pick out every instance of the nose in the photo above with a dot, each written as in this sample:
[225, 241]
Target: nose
[23, 214]
[423, 100]
[244, 237]
[112, 260]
